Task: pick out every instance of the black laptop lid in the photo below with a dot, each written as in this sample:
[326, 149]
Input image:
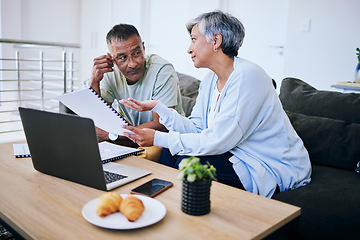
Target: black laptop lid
[64, 146]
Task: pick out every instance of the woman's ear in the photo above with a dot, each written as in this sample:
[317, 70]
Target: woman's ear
[217, 40]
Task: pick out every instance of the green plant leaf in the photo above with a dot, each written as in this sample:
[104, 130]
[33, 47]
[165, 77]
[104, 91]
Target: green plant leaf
[181, 175]
[192, 170]
[191, 177]
[183, 163]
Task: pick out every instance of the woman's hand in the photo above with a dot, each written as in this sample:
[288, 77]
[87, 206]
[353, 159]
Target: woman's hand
[143, 137]
[139, 105]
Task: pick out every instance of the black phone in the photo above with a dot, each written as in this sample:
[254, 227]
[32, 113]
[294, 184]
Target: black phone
[152, 187]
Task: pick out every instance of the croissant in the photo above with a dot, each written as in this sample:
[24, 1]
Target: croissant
[132, 208]
[108, 203]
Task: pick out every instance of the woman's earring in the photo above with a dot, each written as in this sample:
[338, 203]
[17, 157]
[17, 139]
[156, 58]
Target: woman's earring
[215, 49]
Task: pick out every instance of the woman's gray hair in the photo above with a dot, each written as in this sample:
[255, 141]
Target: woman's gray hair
[230, 28]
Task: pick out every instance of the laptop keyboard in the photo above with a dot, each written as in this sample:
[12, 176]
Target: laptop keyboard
[112, 177]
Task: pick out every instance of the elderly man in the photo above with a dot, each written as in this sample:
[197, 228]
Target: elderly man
[126, 72]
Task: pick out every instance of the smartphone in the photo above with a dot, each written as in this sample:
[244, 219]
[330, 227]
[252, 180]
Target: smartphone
[152, 187]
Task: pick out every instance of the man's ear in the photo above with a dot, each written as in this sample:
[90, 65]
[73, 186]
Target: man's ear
[143, 45]
[217, 40]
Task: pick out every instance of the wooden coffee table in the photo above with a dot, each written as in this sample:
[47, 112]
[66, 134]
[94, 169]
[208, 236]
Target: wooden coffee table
[39, 206]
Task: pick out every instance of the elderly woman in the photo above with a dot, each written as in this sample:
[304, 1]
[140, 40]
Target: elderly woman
[237, 124]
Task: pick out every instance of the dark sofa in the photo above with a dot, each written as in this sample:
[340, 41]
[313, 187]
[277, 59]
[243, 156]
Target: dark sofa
[329, 125]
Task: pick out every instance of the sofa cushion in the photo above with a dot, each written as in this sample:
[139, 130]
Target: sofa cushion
[189, 86]
[330, 142]
[189, 89]
[300, 97]
[188, 104]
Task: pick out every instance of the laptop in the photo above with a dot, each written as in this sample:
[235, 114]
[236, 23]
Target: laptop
[65, 146]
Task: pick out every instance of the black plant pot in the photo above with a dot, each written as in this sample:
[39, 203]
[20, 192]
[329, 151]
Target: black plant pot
[196, 197]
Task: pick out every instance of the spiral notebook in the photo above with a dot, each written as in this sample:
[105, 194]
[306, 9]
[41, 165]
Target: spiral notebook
[21, 150]
[110, 152]
[88, 103]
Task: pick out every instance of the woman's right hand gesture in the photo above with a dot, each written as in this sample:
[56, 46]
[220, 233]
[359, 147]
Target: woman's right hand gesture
[139, 105]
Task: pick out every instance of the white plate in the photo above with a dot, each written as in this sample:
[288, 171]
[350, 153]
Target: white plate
[154, 212]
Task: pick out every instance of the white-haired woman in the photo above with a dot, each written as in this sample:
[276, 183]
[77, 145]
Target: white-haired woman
[237, 124]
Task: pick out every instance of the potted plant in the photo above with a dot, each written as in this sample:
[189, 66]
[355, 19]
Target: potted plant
[357, 71]
[197, 179]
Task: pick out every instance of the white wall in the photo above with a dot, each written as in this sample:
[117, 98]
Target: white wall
[326, 53]
[41, 20]
[322, 56]
[11, 19]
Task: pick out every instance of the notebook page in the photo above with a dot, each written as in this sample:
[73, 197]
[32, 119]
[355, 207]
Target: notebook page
[86, 103]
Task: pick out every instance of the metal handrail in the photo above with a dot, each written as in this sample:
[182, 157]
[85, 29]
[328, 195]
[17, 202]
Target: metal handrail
[39, 43]
[31, 70]
[30, 60]
[33, 81]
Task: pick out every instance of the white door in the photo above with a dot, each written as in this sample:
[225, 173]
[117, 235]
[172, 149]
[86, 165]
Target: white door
[265, 25]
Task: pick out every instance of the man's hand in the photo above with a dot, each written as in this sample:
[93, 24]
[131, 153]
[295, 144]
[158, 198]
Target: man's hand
[139, 105]
[143, 137]
[102, 135]
[102, 64]
[122, 140]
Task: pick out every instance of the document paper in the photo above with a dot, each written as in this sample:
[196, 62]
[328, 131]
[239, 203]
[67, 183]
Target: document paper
[86, 103]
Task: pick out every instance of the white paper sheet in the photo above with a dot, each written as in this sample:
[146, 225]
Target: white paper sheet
[87, 103]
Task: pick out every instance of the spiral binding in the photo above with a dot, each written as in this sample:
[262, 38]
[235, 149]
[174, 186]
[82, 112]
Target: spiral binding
[112, 109]
[22, 155]
[122, 156]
